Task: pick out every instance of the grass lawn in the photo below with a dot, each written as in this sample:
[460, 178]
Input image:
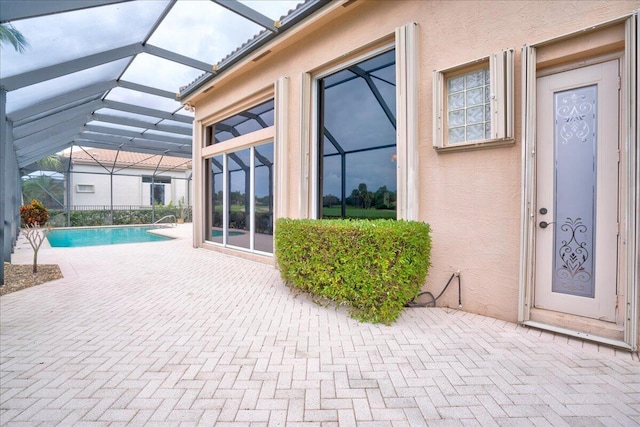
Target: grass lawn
[359, 213]
[332, 212]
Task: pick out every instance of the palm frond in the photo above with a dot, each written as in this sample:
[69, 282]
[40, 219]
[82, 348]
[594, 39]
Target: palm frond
[8, 34]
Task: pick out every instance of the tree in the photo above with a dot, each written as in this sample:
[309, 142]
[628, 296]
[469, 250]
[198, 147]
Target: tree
[35, 235]
[34, 216]
[354, 198]
[330, 200]
[8, 34]
[52, 162]
[47, 189]
[381, 198]
[43, 185]
[365, 195]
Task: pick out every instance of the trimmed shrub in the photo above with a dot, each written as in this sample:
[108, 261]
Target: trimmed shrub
[373, 266]
[34, 214]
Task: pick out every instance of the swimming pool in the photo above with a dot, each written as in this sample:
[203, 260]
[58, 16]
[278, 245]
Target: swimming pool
[76, 237]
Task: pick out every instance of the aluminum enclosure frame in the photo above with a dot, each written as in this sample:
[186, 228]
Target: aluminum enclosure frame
[46, 127]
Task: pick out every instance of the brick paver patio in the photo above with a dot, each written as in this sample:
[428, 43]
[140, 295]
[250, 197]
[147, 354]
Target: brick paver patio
[164, 334]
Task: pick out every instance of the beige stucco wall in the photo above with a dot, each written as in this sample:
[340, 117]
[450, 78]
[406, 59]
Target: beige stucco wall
[472, 199]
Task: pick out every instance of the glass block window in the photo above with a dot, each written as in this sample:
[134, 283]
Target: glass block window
[468, 106]
[473, 103]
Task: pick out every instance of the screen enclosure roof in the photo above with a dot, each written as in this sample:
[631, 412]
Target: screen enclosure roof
[108, 73]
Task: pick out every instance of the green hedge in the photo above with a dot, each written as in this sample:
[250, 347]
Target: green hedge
[100, 217]
[373, 266]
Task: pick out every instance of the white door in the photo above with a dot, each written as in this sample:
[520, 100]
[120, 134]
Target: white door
[577, 191]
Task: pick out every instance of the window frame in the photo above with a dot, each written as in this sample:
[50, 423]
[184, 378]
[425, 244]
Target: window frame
[209, 134]
[314, 167]
[258, 97]
[316, 102]
[501, 85]
[252, 205]
[156, 179]
[90, 189]
[275, 134]
[224, 149]
[405, 41]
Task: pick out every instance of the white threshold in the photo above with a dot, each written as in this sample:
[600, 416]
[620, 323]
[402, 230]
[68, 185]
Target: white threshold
[577, 334]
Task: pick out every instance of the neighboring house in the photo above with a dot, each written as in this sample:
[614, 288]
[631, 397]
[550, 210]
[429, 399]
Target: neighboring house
[511, 127]
[136, 179]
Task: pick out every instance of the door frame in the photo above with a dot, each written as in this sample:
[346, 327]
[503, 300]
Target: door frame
[603, 261]
[630, 186]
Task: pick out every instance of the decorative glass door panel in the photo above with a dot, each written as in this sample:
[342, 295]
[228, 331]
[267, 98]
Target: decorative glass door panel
[576, 206]
[575, 141]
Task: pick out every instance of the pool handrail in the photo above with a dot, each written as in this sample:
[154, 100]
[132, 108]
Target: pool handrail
[174, 223]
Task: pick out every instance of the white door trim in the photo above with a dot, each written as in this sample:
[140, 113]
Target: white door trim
[630, 232]
[631, 96]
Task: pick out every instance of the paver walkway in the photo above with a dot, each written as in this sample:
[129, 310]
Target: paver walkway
[164, 334]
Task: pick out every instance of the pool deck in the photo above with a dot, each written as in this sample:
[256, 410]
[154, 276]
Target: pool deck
[162, 334]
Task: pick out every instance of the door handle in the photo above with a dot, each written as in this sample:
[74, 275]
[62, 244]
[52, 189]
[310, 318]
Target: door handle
[545, 224]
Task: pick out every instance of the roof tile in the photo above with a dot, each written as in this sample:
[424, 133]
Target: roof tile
[129, 158]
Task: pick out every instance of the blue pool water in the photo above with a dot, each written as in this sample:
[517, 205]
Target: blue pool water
[218, 233]
[71, 238]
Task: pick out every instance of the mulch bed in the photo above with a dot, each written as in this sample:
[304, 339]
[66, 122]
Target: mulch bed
[21, 276]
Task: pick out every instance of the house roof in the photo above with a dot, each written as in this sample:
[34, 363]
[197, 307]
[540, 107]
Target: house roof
[294, 16]
[122, 159]
[107, 78]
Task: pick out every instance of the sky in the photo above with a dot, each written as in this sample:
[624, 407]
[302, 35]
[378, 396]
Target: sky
[199, 29]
